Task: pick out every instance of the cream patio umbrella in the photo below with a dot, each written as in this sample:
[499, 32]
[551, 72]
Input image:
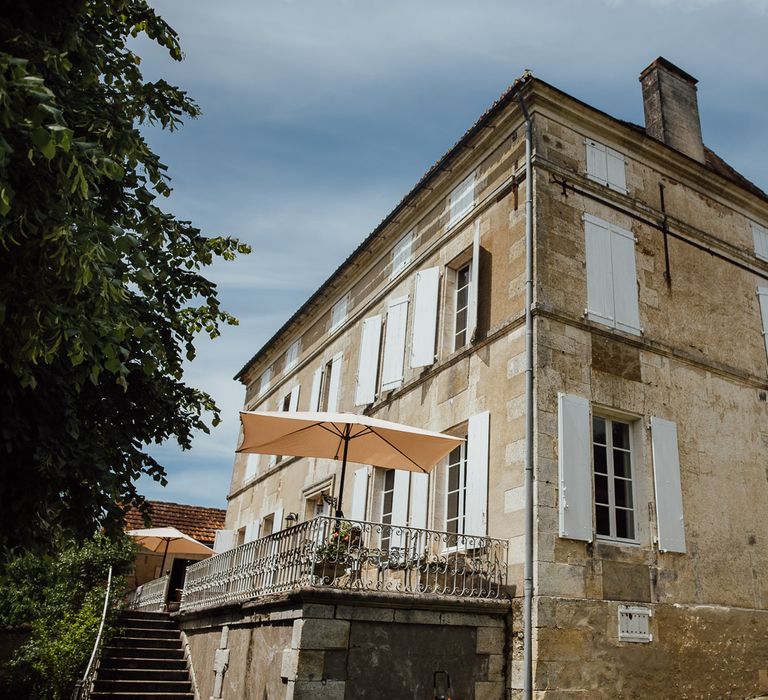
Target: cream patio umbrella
[169, 540]
[344, 436]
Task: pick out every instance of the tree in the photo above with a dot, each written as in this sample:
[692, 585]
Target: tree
[101, 291]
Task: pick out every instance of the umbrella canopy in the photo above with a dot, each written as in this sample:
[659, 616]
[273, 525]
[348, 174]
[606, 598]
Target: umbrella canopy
[168, 540]
[344, 436]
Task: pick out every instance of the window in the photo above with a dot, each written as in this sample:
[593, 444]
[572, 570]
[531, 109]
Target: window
[606, 166]
[326, 385]
[461, 303]
[292, 356]
[401, 254]
[611, 275]
[339, 312]
[462, 200]
[251, 467]
[455, 492]
[387, 501]
[612, 469]
[760, 236]
[264, 380]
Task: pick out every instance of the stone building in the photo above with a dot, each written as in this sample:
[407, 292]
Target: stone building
[649, 423]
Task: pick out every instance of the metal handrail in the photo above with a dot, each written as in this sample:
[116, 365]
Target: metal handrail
[83, 686]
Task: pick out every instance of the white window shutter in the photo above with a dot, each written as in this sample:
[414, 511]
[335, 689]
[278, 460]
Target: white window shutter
[399, 507]
[425, 317]
[359, 493]
[616, 170]
[224, 540]
[419, 499]
[666, 477]
[625, 303]
[597, 168]
[476, 498]
[760, 236]
[277, 521]
[575, 467]
[334, 383]
[762, 298]
[272, 461]
[251, 466]
[462, 199]
[474, 285]
[293, 404]
[252, 531]
[368, 363]
[597, 236]
[314, 396]
[394, 344]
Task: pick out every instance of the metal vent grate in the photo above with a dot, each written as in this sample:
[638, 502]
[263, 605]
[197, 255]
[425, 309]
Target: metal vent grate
[634, 624]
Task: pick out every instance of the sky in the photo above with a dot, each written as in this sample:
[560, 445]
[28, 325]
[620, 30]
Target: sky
[319, 115]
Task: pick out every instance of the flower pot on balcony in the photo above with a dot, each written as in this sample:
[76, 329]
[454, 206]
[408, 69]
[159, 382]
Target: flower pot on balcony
[327, 571]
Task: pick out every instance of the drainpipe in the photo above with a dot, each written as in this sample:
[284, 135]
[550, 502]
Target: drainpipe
[528, 472]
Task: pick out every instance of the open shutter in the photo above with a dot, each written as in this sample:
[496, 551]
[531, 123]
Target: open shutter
[762, 297]
[625, 304]
[334, 384]
[666, 477]
[277, 520]
[419, 499]
[399, 508]
[394, 344]
[252, 531]
[368, 364]
[251, 467]
[359, 493]
[224, 540]
[425, 317]
[575, 467]
[474, 285]
[293, 403]
[597, 236]
[596, 162]
[476, 515]
[314, 396]
[616, 170]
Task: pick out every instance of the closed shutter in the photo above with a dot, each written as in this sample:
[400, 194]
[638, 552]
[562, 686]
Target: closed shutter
[596, 162]
[462, 199]
[252, 531]
[760, 235]
[616, 170]
[425, 317]
[293, 402]
[359, 493]
[368, 364]
[762, 297]
[575, 467]
[666, 476]
[394, 344]
[277, 522]
[476, 499]
[224, 540]
[317, 383]
[419, 499]
[597, 235]
[626, 310]
[474, 285]
[251, 467]
[334, 383]
[399, 508]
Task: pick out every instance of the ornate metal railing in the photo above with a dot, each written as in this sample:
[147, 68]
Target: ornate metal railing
[357, 555]
[150, 596]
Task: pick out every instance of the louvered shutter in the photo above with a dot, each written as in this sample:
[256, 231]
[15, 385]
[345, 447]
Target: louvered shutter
[419, 499]
[760, 236]
[476, 498]
[251, 467]
[293, 402]
[575, 467]
[597, 168]
[597, 235]
[334, 383]
[368, 363]
[474, 285]
[666, 476]
[252, 531]
[317, 383]
[762, 298]
[399, 508]
[224, 540]
[462, 199]
[359, 493]
[394, 344]
[616, 170]
[425, 317]
[626, 310]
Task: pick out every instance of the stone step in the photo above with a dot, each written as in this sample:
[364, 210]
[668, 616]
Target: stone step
[142, 687]
[147, 642]
[143, 674]
[145, 623]
[132, 695]
[149, 633]
[155, 664]
[142, 652]
[144, 615]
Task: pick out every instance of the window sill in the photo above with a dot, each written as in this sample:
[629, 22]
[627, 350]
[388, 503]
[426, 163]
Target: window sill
[601, 320]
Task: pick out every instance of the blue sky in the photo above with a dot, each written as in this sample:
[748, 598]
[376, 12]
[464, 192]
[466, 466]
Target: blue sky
[319, 115]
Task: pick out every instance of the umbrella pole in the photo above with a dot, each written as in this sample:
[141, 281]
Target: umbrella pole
[339, 513]
[165, 553]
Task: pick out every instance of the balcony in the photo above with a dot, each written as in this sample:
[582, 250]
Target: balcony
[327, 552]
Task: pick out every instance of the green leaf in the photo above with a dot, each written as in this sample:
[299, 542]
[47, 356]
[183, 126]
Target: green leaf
[43, 139]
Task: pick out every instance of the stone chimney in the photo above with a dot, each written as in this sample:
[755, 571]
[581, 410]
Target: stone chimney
[671, 107]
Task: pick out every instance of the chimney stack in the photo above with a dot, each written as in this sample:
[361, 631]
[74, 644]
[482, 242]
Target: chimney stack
[671, 107]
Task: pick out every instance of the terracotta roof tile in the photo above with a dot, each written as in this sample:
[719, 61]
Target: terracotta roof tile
[196, 521]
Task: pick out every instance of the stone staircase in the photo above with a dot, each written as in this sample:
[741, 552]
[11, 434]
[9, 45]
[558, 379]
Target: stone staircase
[146, 660]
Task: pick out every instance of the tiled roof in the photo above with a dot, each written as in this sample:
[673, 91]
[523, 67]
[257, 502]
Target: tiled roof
[195, 521]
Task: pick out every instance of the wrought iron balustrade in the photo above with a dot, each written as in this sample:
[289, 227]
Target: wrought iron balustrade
[350, 554]
[150, 596]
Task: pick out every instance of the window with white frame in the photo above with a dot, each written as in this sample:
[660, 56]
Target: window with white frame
[401, 254]
[387, 504]
[461, 306]
[462, 199]
[292, 355]
[613, 474]
[762, 301]
[760, 237]
[612, 296]
[264, 380]
[606, 166]
[339, 312]
[455, 493]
